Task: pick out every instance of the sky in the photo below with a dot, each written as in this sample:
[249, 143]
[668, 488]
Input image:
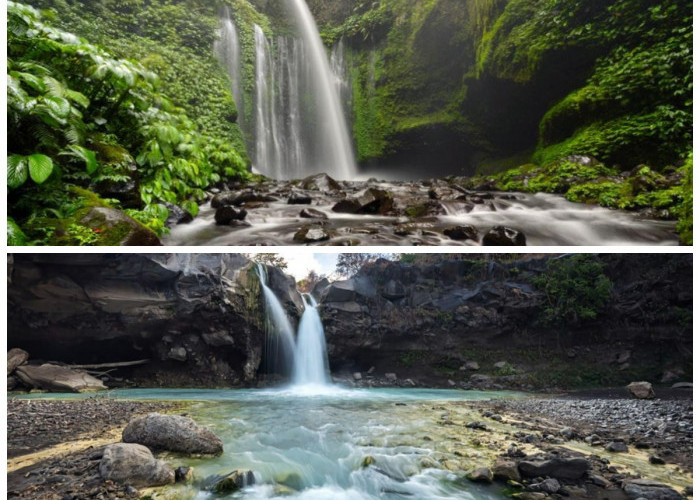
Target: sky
[299, 264]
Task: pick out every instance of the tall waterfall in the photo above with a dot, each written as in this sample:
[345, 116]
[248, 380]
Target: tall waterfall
[310, 356]
[299, 128]
[279, 332]
[228, 50]
[339, 69]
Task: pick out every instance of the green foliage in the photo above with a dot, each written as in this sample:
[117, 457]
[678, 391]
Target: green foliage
[82, 235]
[15, 236]
[78, 115]
[576, 289]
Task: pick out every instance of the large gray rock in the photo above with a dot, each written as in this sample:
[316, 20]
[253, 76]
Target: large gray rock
[229, 483]
[15, 358]
[56, 378]
[135, 465]
[559, 468]
[641, 390]
[172, 433]
[320, 182]
[651, 490]
[506, 470]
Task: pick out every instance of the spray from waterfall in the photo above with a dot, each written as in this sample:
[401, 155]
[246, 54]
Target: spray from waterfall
[279, 333]
[228, 50]
[310, 355]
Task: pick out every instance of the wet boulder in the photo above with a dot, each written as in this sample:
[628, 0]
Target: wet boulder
[347, 206]
[312, 213]
[311, 234]
[177, 215]
[238, 198]
[375, 201]
[480, 475]
[641, 390]
[320, 182]
[172, 433]
[55, 378]
[225, 215]
[462, 233]
[504, 236]
[505, 470]
[115, 228]
[651, 490]
[135, 465]
[229, 483]
[297, 198]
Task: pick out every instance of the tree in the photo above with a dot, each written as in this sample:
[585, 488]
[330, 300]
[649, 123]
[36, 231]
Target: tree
[576, 289]
[269, 259]
[307, 284]
[350, 264]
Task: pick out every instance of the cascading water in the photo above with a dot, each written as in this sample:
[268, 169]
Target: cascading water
[310, 356]
[339, 68]
[298, 124]
[334, 149]
[279, 332]
[228, 50]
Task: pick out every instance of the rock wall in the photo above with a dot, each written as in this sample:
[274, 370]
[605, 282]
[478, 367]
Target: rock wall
[198, 318]
[437, 322]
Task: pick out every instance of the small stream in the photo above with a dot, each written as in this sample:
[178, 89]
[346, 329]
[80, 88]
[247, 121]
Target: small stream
[545, 219]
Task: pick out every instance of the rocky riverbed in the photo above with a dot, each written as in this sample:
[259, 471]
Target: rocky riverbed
[319, 210]
[54, 447]
[599, 445]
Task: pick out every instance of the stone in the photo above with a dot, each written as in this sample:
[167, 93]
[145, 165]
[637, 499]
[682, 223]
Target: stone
[617, 447]
[296, 198]
[320, 182]
[172, 433]
[656, 460]
[462, 233]
[15, 358]
[500, 364]
[649, 489]
[375, 201]
[238, 198]
[184, 474]
[312, 213]
[641, 390]
[393, 290]
[177, 215]
[135, 465]
[177, 353]
[367, 461]
[391, 377]
[549, 486]
[229, 483]
[347, 206]
[671, 376]
[217, 339]
[559, 468]
[505, 470]
[357, 376]
[471, 365]
[504, 236]
[480, 475]
[567, 433]
[54, 378]
[12, 382]
[624, 357]
[311, 234]
[225, 215]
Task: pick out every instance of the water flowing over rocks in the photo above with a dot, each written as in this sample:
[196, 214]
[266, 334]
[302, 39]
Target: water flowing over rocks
[172, 433]
[430, 212]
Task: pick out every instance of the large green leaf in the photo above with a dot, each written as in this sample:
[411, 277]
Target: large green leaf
[16, 171]
[40, 167]
[15, 236]
[59, 106]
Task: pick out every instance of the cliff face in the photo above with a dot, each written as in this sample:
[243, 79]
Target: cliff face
[198, 318]
[428, 322]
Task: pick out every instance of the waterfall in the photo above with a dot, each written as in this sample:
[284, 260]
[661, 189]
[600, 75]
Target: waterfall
[228, 49]
[298, 127]
[341, 80]
[335, 152]
[278, 330]
[310, 356]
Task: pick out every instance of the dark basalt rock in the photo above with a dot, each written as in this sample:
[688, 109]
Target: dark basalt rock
[229, 483]
[559, 468]
[347, 206]
[312, 213]
[239, 198]
[375, 201]
[299, 199]
[226, 214]
[177, 215]
[462, 233]
[504, 236]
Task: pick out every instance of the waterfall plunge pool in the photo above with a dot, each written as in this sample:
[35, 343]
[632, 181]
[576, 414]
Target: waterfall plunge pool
[310, 444]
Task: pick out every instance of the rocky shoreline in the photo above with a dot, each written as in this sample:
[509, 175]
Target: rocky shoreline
[569, 434]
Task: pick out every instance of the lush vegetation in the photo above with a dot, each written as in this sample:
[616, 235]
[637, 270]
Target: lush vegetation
[83, 121]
